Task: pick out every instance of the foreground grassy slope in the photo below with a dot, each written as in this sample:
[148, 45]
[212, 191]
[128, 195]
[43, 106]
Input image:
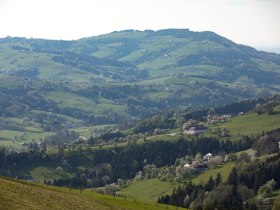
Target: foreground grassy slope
[20, 195]
[276, 204]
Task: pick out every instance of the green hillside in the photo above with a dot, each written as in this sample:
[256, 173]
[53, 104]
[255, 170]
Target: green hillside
[252, 123]
[148, 190]
[276, 204]
[21, 195]
[224, 170]
[152, 189]
[247, 124]
[127, 75]
[55, 95]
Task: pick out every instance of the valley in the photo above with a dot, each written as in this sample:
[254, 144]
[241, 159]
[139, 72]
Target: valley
[139, 120]
[127, 75]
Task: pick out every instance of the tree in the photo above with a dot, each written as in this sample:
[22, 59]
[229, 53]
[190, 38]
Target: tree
[266, 190]
[198, 157]
[224, 197]
[2, 155]
[187, 201]
[210, 184]
[244, 157]
[139, 176]
[264, 200]
[233, 177]
[268, 107]
[235, 200]
[91, 141]
[197, 203]
[218, 179]
[212, 163]
[266, 145]
[259, 109]
[60, 151]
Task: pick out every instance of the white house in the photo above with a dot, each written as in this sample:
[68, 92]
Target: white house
[187, 165]
[195, 130]
[207, 156]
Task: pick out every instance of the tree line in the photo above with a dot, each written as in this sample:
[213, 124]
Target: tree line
[125, 162]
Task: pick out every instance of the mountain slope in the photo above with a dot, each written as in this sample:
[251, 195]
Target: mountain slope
[162, 53]
[127, 75]
[49, 60]
[172, 50]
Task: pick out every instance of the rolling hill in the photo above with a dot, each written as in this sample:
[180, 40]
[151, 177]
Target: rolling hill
[122, 77]
[250, 124]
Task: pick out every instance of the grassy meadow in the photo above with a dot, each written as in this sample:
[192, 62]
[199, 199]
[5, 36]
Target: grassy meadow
[276, 205]
[42, 170]
[15, 138]
[224, 170]
[148, 190]
[251, 124]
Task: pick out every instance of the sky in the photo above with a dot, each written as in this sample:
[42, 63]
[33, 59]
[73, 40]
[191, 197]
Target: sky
[251, 22]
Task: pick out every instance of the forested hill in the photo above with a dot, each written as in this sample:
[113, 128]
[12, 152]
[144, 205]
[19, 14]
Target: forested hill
[122, 76]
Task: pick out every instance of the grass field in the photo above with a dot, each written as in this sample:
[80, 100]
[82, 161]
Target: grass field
[21, 195]
[250, 124]
[148, 190]
[59, 116]
[224, 170]
[68, 99]
[7, 137]
[42, 170]
[163, 137]
[88, 131]
[276, 205]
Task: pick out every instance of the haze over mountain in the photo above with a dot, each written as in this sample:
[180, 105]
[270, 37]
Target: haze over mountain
[130, 74]
[250, 22]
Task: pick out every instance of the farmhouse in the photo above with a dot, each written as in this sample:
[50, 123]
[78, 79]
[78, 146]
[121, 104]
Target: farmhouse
[201, 166]
[207, 157]
[187, 165]
[59, 169]
[195, 130]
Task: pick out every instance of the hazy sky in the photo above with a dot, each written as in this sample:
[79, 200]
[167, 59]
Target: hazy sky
[251, 22]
